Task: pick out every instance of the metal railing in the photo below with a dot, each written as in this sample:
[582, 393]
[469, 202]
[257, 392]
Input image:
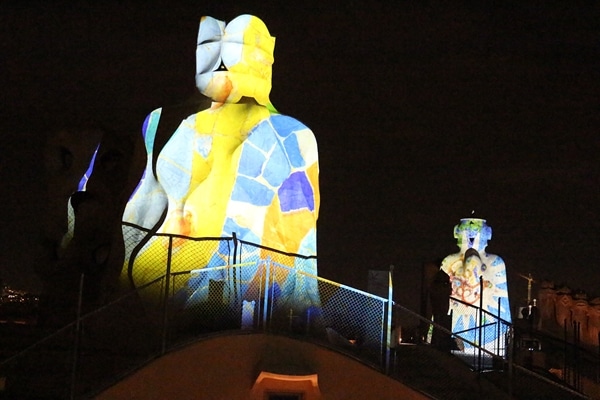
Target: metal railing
[489, 337]
[494, 361]
[267, 292]
[199, 287]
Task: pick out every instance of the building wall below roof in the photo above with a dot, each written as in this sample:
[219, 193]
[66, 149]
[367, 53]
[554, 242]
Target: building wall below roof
[227, 367]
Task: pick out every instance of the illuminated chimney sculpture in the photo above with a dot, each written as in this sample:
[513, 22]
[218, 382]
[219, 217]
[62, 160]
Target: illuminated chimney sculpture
[477, 278]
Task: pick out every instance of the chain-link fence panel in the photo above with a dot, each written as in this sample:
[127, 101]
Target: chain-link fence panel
[352, 320]
[149, 256]
[251, 252]
[44, 369]
[89, 353]
[119, 337]
[264, 293]
[427, 353]
[474, 325]
[213, 299]
[262, 288]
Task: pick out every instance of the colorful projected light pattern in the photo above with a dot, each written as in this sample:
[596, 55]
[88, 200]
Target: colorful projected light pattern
[465, 270]
[237, 167]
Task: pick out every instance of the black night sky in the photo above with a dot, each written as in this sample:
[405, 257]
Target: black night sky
[424, 111]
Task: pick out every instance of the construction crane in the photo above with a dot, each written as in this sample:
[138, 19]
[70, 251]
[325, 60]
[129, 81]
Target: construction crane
[529, 284]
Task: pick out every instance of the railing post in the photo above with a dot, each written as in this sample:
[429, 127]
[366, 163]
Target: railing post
[235, 247]
[272, 292]
[511, 338]
[77, 336]
[266, 298]
[166, 296]
[497, 352]
[566, 374]
[234, 273]
[479, 356]
[389, 320]
[576, 342]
